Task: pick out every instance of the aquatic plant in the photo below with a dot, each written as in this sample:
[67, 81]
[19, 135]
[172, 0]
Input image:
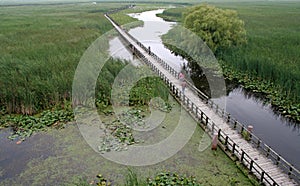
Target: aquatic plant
[170, 178]
[24, 125]
[102, 181]
[119, 132]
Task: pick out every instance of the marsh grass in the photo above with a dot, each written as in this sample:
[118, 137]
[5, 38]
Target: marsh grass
[272, 52]
[40, 48]
[270, 61]
[271, 56]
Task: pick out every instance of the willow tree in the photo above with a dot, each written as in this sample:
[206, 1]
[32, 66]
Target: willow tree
[218, 28]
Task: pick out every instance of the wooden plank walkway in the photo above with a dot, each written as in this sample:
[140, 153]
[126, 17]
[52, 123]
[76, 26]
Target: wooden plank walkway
[259, 164]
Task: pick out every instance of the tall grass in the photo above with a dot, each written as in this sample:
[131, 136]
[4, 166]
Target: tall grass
[132, 179]
[40, 49]
[270, 62]
[272, 52]
[141, 91]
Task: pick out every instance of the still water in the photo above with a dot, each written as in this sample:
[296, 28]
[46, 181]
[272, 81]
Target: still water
[13, 158]
[282, 135]
[62, 154]
[149, 34]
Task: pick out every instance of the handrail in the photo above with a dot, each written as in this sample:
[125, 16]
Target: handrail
[207, 123]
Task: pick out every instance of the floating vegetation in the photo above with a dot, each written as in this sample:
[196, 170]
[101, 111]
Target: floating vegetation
[102, 181]
[169, 178]
[278, 99]
[161, 178]
[24, 125]
[119, 132]
[134, 118]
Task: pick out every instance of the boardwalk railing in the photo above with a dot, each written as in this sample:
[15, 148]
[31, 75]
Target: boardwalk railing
[207, 124]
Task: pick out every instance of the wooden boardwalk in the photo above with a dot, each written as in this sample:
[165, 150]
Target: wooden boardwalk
[261, 161]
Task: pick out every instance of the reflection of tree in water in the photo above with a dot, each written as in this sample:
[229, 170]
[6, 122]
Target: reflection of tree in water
[197, 75]
[202, 66]
[262, 100]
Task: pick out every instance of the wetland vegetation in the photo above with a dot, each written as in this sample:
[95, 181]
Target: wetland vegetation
[40, 48]
[269, 62]
[67, 159]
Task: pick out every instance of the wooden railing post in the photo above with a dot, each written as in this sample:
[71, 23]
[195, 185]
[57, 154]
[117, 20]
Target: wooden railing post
[206, 122]
[219, 134]
[197, 112]
[226, 140]
[173, 89]
[234, 125]
[212, 126]
[251, 165]
[278, 160]
[290, 170]
[233, 148]
[176, 92]
[268, 151]
[258, 144]
[192, 105]
[262, 177]
[242, 129]
[228, 118]
[242, 156]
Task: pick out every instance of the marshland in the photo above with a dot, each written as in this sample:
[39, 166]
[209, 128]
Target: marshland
[41, 46]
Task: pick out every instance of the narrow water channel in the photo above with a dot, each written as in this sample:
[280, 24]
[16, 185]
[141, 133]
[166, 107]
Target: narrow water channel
[279, 133]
